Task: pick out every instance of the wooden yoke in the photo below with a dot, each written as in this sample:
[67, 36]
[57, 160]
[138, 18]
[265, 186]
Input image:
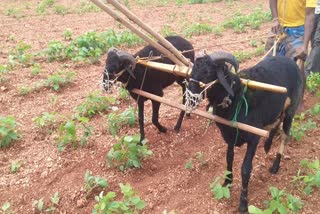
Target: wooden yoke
[242, 126]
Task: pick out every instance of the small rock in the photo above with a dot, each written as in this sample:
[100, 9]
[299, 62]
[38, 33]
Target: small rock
[44, 174]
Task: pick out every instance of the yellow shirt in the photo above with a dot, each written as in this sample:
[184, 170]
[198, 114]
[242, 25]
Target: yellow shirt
[291, 13]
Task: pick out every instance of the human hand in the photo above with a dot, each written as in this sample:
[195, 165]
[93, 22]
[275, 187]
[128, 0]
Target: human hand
[302, 53]
[275, 28]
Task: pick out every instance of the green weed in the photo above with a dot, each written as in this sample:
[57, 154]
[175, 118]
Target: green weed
[309, 175]
[9, 132]
[198, 29]
[280, 202]
[59, 79]
[115, 120]
[313, 82]
[15, 166]
[127, 153]
[219, 191]
[5, 208]
[93, 182]
[94, 103]
[131, 202]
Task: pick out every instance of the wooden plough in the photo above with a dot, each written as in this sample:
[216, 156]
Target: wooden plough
[182, 65]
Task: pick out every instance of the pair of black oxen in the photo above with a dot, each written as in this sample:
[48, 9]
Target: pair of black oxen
[264, 109]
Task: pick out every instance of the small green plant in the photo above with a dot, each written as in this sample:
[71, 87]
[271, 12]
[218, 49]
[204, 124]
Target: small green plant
[196, 161]
[60, 9]
[313, 82]
[46, 122]
[93, 182]
[239, 22]
[94, 103]
[44, 5]
[8, 131]
[198, 29]
[242, 56]
[21, 55]
[35, 69]
[67, 34]
[87, 7]
[130, 204]
[309, 175]
[115, 120]
[219, 191]
[281, 202]
[127, 153]
[54, 51]
[6, 208]
[54, 201]
[15, 166]
[38, 205]
[123, 94]
[299, 128]
[59, 79]
[14, 12]
[166, 30]
[189, 164]
[68, 133]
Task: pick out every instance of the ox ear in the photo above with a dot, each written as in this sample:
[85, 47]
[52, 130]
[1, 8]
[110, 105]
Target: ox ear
[223, 82]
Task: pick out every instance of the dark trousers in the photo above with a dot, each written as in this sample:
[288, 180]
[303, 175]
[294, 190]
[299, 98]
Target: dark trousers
[313, 60]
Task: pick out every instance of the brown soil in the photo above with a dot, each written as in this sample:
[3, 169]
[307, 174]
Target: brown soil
[163, 182]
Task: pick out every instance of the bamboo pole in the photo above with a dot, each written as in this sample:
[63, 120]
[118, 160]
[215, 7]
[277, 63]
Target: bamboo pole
[148, 29]
[186, 72]
[137, 31]
[242, 126]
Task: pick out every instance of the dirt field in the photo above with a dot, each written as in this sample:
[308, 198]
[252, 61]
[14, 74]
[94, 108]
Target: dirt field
[163, 183]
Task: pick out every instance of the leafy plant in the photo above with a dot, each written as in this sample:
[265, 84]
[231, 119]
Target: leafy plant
[59, 79]
[67, 34]
[21, 55]
[313, 82]
[130, 204]
[127, 153]
[38, 204]
[189, 164]
[8, 131]
[219, 191]
[94, 103]
[68, 133]
[15, 166]
[46, 122]
[44, 5]
[93, 182]
[116, 120]
[54, 202]
[299, 129]
[35, 69]
[309, 176]
[281, 202]
[54, 51]
[198, 29]
[6, 208]
[123, 94]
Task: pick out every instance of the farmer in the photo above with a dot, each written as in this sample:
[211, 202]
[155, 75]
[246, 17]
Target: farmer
[313, 61]
[294, 18]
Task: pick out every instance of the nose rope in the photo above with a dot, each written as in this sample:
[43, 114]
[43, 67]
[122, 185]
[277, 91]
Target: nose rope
[108, 84]
[193, 100]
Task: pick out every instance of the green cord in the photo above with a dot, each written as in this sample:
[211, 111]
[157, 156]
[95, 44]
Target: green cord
[238, 108]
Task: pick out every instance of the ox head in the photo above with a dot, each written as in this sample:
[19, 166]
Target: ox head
[118, 65]
[207, 69]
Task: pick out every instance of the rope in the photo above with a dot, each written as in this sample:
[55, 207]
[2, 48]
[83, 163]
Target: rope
[238, 109]
[205, 48]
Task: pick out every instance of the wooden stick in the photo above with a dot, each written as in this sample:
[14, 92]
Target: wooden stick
[242, 126]
[137, 31]
[148, 29]
[186, 72]
[179, 70]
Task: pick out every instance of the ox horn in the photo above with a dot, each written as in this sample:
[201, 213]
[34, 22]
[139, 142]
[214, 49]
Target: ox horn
[128, 60]
[113, 49]
[222, 57]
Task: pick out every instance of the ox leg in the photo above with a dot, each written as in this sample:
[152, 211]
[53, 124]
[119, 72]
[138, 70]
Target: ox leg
[182, 113]
[246, 173]
[155, 116]
[284, 140]
[230, 155]
[141, 120]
